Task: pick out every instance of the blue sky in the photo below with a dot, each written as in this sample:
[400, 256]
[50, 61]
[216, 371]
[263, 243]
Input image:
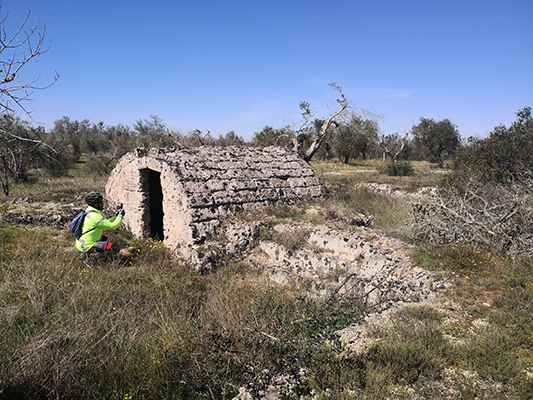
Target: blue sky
[240, 65]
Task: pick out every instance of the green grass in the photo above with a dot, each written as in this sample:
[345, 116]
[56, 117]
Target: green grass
[148, 327]
[497, 333]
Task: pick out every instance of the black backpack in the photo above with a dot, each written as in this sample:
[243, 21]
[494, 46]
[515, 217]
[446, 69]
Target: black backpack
[76, 227]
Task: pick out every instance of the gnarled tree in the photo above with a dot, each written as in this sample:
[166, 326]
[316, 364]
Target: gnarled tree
[328, 125]
[330, 122]
[393, 145]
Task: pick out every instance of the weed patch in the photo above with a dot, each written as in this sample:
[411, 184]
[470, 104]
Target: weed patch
[292, 239]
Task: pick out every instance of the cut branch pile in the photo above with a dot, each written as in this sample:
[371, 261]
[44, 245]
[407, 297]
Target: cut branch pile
[497, 216]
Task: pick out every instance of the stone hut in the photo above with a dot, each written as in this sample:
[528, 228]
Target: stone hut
[180, 195]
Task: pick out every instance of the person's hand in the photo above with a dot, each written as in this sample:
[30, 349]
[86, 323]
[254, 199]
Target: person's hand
[122, 213]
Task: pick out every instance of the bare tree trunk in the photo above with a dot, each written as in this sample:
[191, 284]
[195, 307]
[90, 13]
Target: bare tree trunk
[401, 148]
[324, 130]
[296, 145]
[395, 156]
[328, 148]
[5, 186]
[318, 141]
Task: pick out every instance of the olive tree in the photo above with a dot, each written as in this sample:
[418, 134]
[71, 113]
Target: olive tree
[153, 132]
[328, 125]
[269, 136]
[323, 132]
[356, 138]
[439, 138]
[393, 145]
[18, 142]
[230, 139]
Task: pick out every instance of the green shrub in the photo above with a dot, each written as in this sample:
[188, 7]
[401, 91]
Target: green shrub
[413, 345]
[492, 354]
[400, 168]
[338, 374]
[265, 233]
[524, 387]
[466, 258]
[505, 156]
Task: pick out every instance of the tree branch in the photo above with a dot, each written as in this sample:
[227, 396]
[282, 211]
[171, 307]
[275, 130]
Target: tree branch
[10, 85]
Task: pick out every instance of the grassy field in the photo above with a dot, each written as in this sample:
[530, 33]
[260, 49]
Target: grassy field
[150, 328]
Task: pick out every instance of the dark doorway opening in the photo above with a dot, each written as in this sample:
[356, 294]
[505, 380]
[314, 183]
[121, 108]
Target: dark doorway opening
[153, 204]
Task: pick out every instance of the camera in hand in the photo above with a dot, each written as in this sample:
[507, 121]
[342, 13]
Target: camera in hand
[120, 206]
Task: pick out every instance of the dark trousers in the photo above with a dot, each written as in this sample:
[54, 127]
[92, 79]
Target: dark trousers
[102, 252]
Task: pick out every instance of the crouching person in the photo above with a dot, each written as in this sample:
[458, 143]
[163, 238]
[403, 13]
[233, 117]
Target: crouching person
[92, 242]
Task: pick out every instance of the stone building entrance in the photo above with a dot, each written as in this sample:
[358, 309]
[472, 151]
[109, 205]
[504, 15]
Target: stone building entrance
[152, 210]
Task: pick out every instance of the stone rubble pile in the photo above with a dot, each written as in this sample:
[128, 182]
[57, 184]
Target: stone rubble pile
[362, 265]
[386, 189]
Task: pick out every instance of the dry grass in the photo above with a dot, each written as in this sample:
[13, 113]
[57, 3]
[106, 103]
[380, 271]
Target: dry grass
[335, 174]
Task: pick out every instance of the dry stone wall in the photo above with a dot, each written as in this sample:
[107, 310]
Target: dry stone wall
[182, 194]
